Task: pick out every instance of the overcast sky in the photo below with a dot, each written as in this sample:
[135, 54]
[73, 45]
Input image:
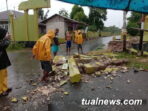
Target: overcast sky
[113, 17]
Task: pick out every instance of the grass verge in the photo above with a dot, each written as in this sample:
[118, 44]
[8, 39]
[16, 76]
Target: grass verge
[134, 61]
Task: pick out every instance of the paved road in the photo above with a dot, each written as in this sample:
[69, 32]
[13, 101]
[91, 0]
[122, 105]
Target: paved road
[24, 68]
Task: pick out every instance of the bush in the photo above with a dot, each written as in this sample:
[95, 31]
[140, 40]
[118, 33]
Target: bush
[131, 31]
[16, 46]
[92, 28]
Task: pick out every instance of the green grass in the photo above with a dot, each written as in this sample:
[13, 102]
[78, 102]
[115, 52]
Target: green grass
[134, 61]
[15, 46]
[91, 34]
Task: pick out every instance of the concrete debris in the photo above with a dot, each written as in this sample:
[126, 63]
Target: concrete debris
[63, 83]
[65, 66]
[66, 93]
[75, 69]
[14, 100]
[109, 87]
[25, 98]
[74, 72]
[45, 90]
[117, 45]
[59, 60]
[128, 81]
[98, 73]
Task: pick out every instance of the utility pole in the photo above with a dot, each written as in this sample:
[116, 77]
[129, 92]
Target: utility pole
[124, 31]
[7, 4]
[8, 15]
[141, 35]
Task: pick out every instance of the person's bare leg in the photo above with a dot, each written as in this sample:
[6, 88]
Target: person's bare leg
[45, 76]
[81, 50]
[55, 53]
[78, 50]
[67, 51]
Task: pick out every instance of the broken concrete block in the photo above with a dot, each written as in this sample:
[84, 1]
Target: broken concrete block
[25, 98]
[120, 62]
[90, 68]
[108, 70]
[66, 93]
[98, 73]
[59, 60]
[65, 66]
[74, 72]
[14, 100]
[63, 82]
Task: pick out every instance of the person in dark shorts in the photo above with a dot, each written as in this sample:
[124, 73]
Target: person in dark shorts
[68, 39]
[46, 67]
[79, 41]
[42, 52]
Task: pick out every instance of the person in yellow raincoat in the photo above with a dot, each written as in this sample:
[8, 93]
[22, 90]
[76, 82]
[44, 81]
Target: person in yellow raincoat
[42, 52]
[4, 62]
[79, 40]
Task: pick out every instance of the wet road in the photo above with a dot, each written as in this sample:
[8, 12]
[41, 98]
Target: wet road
[25, 68]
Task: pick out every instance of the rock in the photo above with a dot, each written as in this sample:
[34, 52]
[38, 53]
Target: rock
[141, 69]
[109, 87]
[119, 62]
[63, 82]
[98, 73]
[90, 68]
[128, 81]
[111, 78]
[25, 98]
[14, 100]
[6, 108]
[66, 93]
[114, 75]
[65, 66]
[123, 71]
[34, 84]
[59, 60]
[108, 70]
[76, 55]
[66, 73]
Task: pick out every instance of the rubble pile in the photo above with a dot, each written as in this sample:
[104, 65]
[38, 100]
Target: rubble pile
[75, 68]
[117, 46]
[100, 64]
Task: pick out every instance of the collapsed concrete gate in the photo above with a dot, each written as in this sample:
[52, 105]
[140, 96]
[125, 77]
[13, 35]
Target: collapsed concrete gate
[25, 28]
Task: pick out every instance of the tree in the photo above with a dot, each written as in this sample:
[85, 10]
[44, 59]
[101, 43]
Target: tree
[41, 14]
[64, 13]
[78, 14]
[112, 29]
[134, 22]
[97, 17]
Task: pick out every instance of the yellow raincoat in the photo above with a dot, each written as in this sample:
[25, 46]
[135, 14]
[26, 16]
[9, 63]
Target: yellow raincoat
[3, 80]
[42, 48]
[79, 37]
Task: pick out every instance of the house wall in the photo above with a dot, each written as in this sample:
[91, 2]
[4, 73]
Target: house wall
[56, 22]
[4, 24]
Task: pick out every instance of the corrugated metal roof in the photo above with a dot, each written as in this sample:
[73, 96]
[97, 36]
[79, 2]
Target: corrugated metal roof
[68, 19]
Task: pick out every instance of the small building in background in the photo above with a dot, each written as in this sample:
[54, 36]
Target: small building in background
[62, 23]
[4, 18]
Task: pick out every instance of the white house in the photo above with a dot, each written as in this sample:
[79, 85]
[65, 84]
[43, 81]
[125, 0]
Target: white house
[62, 23]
